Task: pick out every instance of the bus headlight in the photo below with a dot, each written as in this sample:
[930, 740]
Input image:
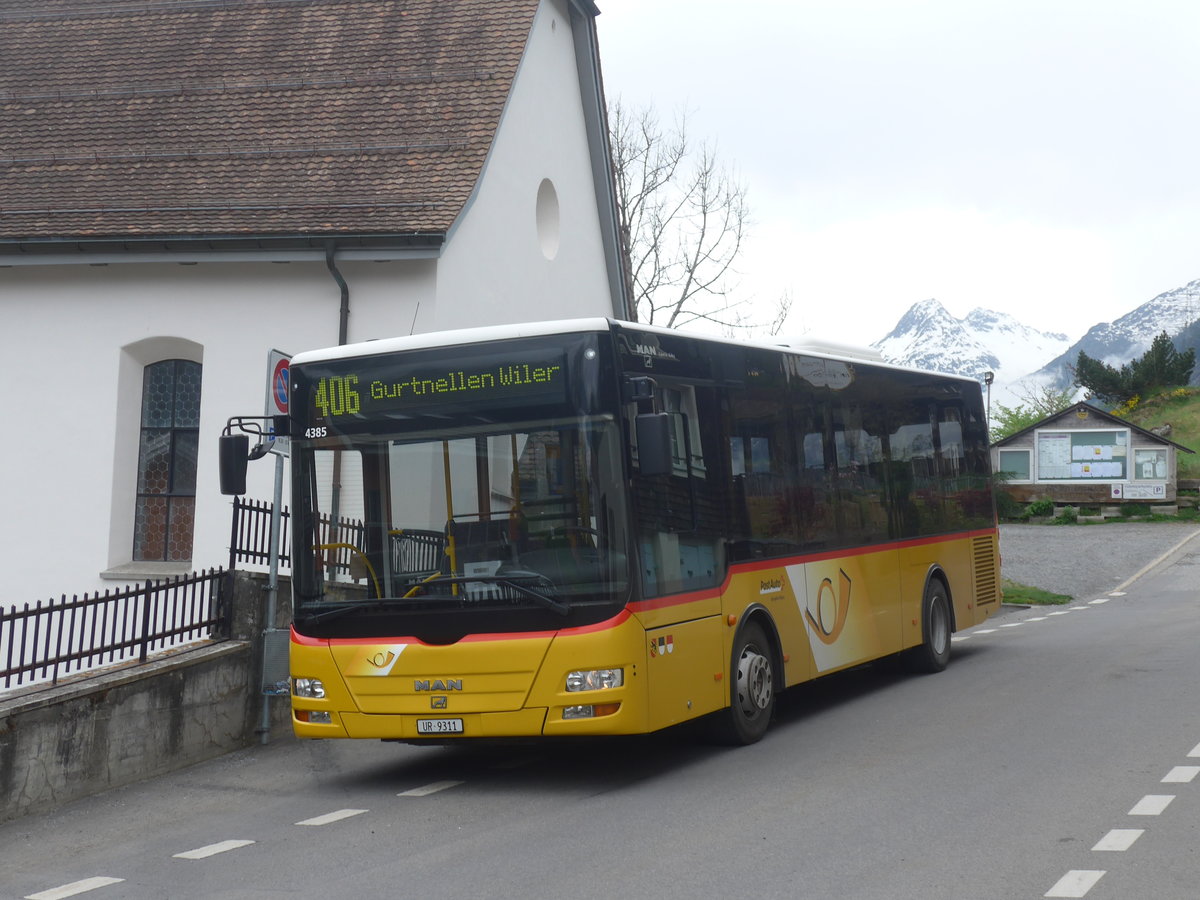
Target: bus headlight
[595, 680]
[308, 687]
[590, 712]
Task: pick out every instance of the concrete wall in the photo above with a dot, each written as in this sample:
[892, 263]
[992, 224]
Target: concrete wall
[133, 722]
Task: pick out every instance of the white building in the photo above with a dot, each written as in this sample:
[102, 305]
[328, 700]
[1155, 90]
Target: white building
[187, 186]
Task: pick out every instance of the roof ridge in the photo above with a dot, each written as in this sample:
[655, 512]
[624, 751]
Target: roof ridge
[224, 206]
[126, 7]
[183, 88]
[235, 152]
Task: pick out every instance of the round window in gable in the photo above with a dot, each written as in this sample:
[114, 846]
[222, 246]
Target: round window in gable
[547, 218]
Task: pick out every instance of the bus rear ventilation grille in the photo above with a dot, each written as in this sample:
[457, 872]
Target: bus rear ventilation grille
[986, 583]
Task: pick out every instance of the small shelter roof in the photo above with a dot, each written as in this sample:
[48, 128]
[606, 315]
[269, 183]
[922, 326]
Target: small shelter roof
[1092, 412]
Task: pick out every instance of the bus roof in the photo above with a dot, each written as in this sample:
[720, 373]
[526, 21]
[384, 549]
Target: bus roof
[489, 333]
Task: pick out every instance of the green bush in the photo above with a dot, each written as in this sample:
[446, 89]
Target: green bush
[1134, 509]
[1006, 506]
[1039, 508]
[1068, 516]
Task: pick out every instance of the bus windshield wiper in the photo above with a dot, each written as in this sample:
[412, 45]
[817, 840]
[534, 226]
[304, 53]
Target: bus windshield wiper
[505, 579]
[544, 599]
[335, 612]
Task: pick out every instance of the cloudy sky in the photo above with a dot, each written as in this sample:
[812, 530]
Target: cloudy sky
[1036, 157]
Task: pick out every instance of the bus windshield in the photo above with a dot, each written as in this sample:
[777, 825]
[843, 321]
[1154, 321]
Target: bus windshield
[529, 519]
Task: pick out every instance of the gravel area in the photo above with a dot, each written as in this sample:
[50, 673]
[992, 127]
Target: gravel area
[1086, 561]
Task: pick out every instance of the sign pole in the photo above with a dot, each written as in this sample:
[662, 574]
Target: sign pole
[278, 392]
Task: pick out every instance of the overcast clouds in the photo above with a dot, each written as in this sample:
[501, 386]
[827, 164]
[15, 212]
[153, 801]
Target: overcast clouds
[1036, 158]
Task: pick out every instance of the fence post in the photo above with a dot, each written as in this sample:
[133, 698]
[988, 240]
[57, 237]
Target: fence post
[233, 532]
[224, 586]
[148, 599]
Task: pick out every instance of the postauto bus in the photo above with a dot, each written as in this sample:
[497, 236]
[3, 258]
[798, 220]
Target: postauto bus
[593, 527]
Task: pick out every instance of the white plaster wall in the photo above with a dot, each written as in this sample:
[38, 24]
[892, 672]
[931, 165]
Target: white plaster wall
[494, 270]
[69, 458]
[72, 394]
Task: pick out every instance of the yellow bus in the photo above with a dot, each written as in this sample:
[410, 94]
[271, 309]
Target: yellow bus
[593, 527]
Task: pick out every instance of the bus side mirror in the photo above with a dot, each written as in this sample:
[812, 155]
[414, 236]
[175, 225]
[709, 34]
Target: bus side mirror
[654, 443]
[234, 459]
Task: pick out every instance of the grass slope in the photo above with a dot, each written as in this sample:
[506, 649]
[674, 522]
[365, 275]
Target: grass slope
[1181, 408]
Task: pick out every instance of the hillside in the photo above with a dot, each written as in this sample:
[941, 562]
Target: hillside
[1181, 409]
[1128, 337]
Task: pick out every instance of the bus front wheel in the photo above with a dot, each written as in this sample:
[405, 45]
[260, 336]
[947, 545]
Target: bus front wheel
[752, 692]
[933, 653]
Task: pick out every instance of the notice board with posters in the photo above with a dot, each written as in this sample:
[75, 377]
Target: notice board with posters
[1082, 455]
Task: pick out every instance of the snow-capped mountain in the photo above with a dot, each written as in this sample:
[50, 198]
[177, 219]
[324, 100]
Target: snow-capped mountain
[928, 337]
[1116, 343]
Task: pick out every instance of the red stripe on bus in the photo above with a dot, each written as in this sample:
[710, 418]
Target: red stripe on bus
[307, 641]
[670, 600]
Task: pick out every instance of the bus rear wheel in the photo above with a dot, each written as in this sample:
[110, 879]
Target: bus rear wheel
[752, 693]
[933, 653]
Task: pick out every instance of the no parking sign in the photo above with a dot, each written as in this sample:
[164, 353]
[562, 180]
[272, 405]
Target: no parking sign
[278, 392]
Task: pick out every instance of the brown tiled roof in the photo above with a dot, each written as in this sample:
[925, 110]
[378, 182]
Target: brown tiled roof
[149, 118]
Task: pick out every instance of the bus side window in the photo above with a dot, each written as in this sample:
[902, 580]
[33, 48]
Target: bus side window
[816, 498]
[680, 516]
[764, 482]
[858, 442]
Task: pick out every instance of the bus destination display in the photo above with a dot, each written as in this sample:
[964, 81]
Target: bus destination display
[373, 388]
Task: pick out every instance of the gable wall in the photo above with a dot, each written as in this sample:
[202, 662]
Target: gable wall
[541, 136]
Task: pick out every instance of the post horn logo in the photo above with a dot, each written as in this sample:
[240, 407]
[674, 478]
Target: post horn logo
[382, 659]
[830, 606]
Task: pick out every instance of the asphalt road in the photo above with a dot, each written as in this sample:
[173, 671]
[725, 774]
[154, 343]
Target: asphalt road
[1085, 560]
[1058, 756]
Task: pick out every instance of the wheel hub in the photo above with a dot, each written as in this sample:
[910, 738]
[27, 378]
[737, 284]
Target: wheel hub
[754, 682]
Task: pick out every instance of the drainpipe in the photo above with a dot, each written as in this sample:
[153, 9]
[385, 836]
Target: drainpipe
[344, 319]
[335, 500]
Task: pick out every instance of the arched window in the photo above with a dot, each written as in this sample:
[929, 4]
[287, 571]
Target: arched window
[166, 483]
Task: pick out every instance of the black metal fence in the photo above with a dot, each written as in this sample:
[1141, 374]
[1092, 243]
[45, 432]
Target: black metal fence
[47, 641]
[250, 537]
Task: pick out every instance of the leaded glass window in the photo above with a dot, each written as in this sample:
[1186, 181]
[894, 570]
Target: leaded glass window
[166, 488]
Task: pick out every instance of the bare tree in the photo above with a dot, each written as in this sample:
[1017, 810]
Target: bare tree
[683, 220]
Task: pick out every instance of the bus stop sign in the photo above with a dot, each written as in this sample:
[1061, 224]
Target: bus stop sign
[278, 392]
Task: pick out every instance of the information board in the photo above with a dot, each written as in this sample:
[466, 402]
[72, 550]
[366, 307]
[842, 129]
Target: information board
[1082, 455]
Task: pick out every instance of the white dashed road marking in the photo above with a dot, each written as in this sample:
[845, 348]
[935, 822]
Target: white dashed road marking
[1119, 839]
[329, 818]
[1152, 805]
[429, 789]
[1076, 883]
[212, 850]
[75, 887]
[1181, 775]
